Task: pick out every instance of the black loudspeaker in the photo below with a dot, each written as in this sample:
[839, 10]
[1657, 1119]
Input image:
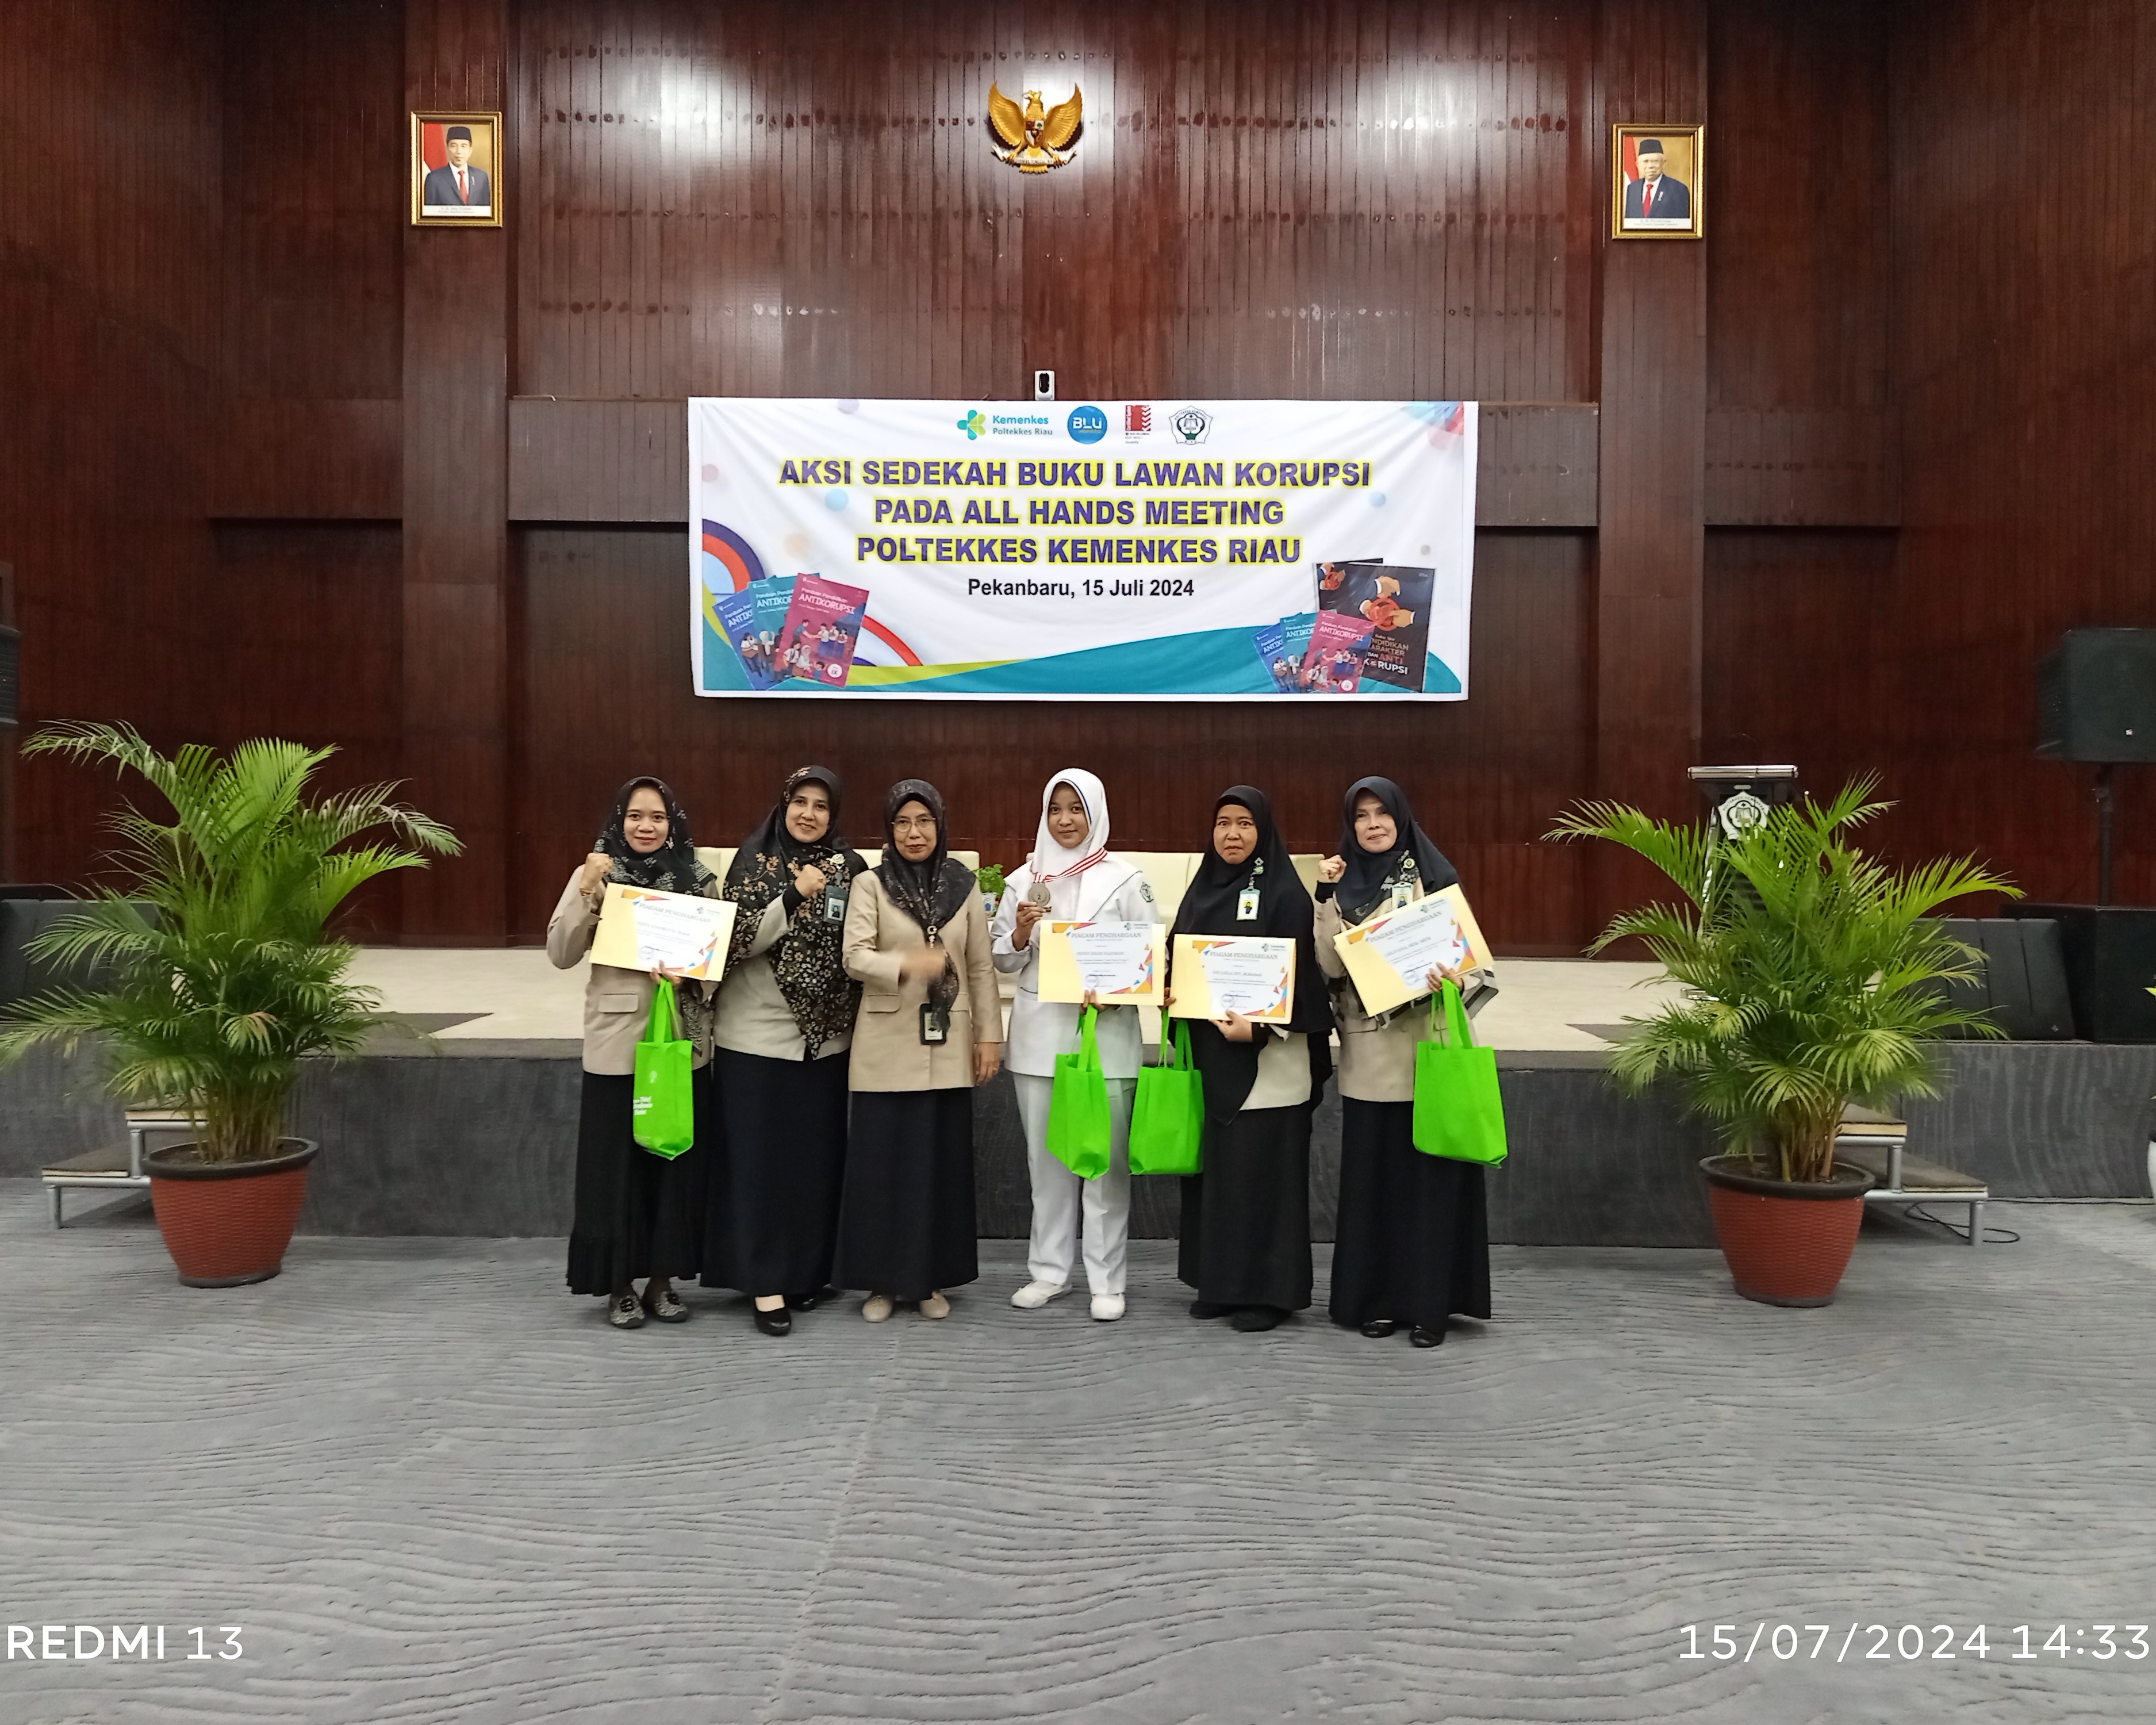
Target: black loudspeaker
[2096, 697]
[2111, 965]
[2022, 982]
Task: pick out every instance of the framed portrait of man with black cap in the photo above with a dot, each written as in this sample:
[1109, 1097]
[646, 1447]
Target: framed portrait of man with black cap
[1656, 190]
[456, 182]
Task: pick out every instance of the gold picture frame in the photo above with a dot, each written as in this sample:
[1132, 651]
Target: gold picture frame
[430, 168]
[1670, 201]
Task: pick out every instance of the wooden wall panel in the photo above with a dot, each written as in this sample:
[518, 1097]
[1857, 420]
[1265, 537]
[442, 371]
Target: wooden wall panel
[313, 140]
[1800, 430]
[598, 461]
[2025, 263]
[1487, 775]
[109, 220]
[306, 620]
[456, 385]
[1652, 486]
[1276, 199]
[287, 459]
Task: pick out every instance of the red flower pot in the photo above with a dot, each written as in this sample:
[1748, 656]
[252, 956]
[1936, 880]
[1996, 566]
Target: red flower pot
[228, 1223]
[1786, 1242]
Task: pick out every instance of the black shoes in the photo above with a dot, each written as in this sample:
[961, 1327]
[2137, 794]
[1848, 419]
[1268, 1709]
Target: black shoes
[1378, 1328]
[810, 1301]
[777, 1321]
[1423, 1336]
[1209, 1309]
[1252, 1319]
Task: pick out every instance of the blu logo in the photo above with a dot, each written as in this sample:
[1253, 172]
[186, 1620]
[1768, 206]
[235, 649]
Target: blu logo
[1088, 425]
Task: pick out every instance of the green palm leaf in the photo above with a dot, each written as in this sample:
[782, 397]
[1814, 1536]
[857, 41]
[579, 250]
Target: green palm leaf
[1812, 971]
[210, 1000]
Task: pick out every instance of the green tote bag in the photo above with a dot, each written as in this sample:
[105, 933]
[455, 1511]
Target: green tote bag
[664, 1111]
[1167, 1119]
[1078, 1126]
[1458, 1112]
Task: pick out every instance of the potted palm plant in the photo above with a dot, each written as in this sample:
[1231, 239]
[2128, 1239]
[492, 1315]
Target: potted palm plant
[213, 977]
[1813, 978]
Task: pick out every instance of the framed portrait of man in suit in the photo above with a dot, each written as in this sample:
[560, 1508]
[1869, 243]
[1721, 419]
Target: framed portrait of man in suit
[456, 170]
[1657, 189]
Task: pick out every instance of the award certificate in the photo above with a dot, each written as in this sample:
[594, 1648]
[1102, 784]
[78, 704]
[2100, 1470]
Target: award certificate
[1249, 973]
[1118, 960]
[1390, 957]
[640, 929]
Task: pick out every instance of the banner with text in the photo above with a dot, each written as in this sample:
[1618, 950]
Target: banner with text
[1137, 550]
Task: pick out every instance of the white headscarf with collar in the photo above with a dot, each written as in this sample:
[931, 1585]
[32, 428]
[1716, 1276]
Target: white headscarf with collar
[1079, 880]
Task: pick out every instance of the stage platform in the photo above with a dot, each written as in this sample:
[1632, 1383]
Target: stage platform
[477, 1135]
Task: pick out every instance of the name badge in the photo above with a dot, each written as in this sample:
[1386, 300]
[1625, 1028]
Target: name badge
[935, 1024]
[834, 904]
[1403, 893]
[1246, 907]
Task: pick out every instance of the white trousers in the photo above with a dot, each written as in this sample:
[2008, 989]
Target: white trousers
[1056, 1190]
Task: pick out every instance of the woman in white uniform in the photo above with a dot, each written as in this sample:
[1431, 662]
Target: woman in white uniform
[1077, 882]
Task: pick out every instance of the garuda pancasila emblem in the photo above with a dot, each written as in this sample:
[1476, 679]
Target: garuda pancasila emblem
[1040, 137]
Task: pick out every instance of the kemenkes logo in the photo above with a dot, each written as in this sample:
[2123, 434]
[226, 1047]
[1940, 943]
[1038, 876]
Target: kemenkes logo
[972, 425]
[1088, 425]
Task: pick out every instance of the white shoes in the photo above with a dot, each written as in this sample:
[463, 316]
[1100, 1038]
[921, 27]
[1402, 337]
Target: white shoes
[1038, 1293]
[877, 1307]
[1107, 1307]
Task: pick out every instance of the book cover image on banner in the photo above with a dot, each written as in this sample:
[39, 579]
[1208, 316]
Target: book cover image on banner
[1395, 601]
[816, 644]
[1012, 550]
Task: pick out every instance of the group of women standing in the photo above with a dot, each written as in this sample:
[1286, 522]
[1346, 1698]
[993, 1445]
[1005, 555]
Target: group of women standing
[860, 1007]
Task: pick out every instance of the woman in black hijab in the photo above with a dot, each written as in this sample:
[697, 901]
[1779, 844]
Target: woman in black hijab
[931, 1028]
[1412, 1246]
[1245, 1233]
[637, 1215]
[785, 1024]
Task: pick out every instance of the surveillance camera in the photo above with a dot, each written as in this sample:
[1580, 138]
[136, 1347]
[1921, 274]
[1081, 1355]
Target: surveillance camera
[1044, 386]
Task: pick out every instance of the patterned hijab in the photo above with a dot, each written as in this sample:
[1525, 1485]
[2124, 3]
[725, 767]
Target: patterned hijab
[933, 891]
[672, 868]
[805, 959]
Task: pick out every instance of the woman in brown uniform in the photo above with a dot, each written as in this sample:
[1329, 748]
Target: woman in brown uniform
[637, 1215]
[931, 1028]
[1412, 1244]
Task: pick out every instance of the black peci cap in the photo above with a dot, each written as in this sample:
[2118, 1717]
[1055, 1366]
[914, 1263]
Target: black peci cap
[464, 132]
[1645, 146]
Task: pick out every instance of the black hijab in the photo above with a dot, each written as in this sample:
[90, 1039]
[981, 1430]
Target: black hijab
[806, 960]
[1285, 911]
[672, 868]
[1372, 874]
[933, 891]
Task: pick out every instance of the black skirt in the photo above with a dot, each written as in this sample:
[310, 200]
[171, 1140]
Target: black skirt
[1246, 1218]
[637, 1215]
[1412, 1241]
[777, 1165]
[905, 1223]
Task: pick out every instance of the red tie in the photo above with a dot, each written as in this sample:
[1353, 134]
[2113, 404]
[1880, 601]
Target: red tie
[1647, 199]
[463, 197]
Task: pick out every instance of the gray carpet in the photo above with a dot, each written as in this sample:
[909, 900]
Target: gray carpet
[432, 1487]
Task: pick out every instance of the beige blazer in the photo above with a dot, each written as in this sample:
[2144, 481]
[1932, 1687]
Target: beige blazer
[888, 1052]
[1377, 1063]
[617, 1003]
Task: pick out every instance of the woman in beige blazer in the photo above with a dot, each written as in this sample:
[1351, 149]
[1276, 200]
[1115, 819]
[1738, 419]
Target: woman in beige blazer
[1412, 1243]
[637, 1215]
[931, 1028]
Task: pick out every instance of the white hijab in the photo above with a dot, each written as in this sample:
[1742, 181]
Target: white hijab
[1080, 880]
